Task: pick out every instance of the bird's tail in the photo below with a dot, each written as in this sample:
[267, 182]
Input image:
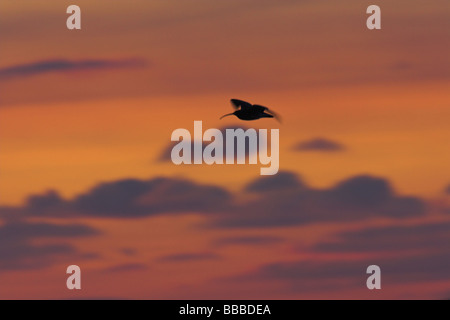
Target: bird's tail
[274, 115]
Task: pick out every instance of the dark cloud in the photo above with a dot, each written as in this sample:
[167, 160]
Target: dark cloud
[184, 257]
[62, 65]
[280, 200]
[133, 197]
[292, 203]
[405, 253]
[248, 240]
[408, 253]
[128, 198]
[319, 144]
[43, 201]
[309, 276]
[165, 155]
[281, 181]
[22, 255]
[16, 231]
[364, 191]
[430, 237]
[113, 197]
[18, 251]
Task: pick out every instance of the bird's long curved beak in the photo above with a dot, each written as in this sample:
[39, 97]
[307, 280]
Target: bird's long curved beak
[226, 115]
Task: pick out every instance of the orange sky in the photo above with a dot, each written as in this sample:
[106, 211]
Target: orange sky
[382, 94]
[99, 140]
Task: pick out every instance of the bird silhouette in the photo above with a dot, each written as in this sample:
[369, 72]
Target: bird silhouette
[247, 111]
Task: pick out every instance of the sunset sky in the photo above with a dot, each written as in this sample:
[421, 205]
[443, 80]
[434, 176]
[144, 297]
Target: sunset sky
[86, 117]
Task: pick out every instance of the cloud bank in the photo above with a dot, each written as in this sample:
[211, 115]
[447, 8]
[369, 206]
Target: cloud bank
[280, 200]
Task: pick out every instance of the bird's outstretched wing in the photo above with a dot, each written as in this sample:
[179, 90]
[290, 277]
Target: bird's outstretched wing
[265, 109]
[236, 103]
[260, 108]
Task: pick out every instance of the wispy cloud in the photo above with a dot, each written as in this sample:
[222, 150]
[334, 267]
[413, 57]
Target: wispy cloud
[184, 257]
[319, 144]
[406, 253]
[63, 65]
[18, 250]
[425, 237]
[248, 240]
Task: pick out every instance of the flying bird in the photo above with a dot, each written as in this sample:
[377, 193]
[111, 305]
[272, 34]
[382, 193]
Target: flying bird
[248, 111]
